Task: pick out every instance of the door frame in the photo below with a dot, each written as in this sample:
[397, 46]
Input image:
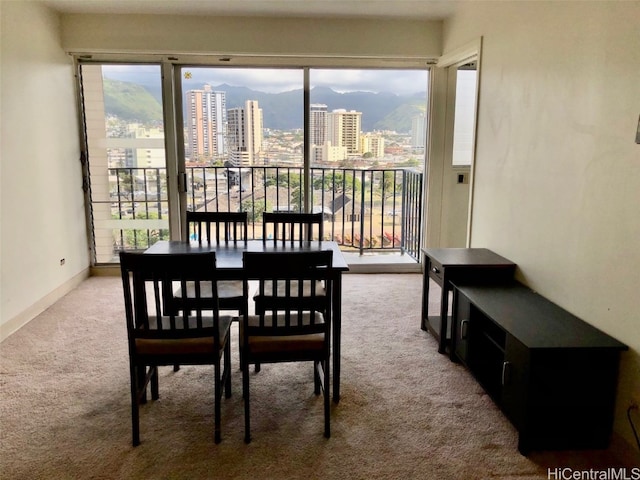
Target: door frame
[440, 152]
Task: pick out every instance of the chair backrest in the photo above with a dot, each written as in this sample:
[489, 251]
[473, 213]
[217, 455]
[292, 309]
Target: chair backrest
[148, 283]
[219, 228]
[291, 283]
[289, 227]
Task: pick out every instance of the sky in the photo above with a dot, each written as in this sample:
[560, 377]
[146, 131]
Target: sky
[400, 82]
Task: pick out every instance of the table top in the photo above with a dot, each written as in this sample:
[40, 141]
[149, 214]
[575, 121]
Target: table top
[535, 321]
[230, 256]
[466, 257]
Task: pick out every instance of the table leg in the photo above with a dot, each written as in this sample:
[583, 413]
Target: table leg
[337, 327]
[444, 314]
[425, 298]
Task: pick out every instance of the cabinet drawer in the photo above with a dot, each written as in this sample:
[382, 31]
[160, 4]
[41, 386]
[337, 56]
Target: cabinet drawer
[436, 271]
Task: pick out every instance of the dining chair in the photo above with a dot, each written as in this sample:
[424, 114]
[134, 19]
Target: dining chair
[294, 229]
[292, 327]
[216, 228]
[159, 336]
[219, 228]
[288, 227]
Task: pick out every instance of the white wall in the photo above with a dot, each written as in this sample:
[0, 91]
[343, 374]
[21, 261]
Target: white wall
[557, 186]
[253, 36]
[42, 206]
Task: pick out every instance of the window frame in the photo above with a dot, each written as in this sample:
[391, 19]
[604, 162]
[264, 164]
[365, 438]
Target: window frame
[172, 104]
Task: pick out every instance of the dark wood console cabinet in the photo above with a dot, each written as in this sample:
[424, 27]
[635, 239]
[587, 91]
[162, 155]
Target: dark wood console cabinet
[446, 265]
[553, 375]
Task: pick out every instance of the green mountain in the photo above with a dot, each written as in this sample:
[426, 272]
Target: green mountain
[131, 102]
[399, 119]
[281, 111]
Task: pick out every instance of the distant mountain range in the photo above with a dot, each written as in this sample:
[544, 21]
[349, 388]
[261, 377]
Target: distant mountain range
[281, 111]
[131, 102]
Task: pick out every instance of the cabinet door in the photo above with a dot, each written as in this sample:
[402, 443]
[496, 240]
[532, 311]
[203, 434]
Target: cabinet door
[461, 325]
[515, 381]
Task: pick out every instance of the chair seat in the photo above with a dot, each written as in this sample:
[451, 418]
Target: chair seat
[265, 344]
[182, 346]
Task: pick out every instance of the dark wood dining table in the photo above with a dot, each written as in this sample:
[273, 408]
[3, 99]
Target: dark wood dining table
[229, 262]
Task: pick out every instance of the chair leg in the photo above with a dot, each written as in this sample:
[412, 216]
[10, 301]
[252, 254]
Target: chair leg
[176, 367]
[327, 400]
[227, 370]
[217, 395]
[245, 396]
[140, 382]
[135, 408]
[316, 377]
[155, 391]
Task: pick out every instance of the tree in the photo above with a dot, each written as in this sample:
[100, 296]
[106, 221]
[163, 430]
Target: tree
[390, 185]
[139, 238]
[411, 162]
[254, 209]
[336, 182]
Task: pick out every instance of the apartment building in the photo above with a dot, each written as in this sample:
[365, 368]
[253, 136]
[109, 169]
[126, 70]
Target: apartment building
[244, 134]
[206, 119]
[344, 129]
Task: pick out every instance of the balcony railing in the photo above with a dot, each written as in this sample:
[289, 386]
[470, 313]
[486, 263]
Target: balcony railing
[365, 210]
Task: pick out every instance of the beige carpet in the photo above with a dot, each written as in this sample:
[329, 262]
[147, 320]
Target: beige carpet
[406, 411]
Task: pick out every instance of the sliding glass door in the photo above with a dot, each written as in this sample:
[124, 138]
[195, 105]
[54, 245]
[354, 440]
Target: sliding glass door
[346, 142]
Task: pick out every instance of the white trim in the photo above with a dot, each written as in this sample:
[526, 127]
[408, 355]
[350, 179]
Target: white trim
[172, 114]
[241, 60]
[16, 323]
[442, 101]
[461, 54]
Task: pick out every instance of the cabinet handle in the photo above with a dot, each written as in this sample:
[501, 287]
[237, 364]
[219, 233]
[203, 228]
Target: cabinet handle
[506, 373]
[464, 326]
[435, 270]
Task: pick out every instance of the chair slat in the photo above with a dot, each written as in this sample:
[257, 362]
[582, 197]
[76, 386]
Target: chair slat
[292, 228]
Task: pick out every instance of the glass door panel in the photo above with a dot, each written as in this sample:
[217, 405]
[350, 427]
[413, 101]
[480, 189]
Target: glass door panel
[367, 130]
[127, 180]
[243, 139]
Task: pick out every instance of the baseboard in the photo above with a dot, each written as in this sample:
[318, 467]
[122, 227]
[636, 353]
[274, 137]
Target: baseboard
[111, 270]
[16, 323]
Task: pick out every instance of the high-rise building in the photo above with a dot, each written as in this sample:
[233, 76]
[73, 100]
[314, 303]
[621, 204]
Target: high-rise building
[206, 117]
[317, 124]
[343, 129]
[244, 134]
[373, 144]
[418, 131]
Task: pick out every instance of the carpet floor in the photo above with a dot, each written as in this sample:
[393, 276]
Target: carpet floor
[406, 412]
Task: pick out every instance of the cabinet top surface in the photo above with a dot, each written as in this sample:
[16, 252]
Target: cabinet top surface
[534, 320]
[466, 257]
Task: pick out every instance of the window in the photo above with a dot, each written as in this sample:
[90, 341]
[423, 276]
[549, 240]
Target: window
[125, 144]
[465, 114]
[242, 143]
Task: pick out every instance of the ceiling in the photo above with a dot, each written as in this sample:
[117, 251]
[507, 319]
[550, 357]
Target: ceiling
[400, 9]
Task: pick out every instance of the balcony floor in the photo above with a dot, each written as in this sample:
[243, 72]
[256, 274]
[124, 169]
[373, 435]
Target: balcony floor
[381, 262]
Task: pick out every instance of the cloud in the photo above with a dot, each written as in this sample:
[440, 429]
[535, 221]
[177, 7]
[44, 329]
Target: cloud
[276, 80]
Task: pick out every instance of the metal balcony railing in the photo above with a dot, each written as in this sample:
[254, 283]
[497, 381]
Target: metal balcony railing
[365, 210]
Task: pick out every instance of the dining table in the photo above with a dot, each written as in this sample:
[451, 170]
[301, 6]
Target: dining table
[229, 264]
